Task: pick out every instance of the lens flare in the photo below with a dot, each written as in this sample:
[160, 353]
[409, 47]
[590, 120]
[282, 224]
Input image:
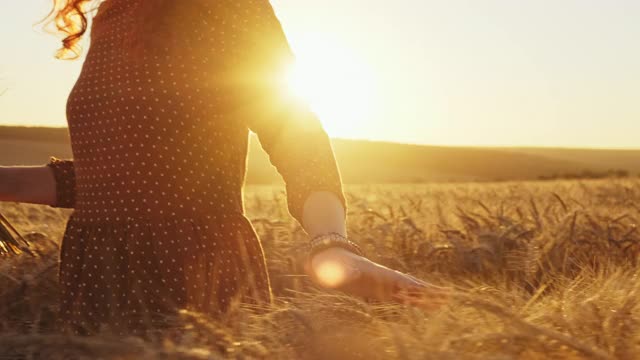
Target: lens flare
[331, 273]
[335, 82]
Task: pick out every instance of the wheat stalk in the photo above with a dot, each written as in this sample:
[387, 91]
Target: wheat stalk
[11, 242]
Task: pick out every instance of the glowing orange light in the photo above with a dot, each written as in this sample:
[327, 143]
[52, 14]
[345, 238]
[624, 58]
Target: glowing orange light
[331, 273]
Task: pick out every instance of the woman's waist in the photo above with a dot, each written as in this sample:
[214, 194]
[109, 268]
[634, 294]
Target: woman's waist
[156, 210]
[162, 196]
[117, 217]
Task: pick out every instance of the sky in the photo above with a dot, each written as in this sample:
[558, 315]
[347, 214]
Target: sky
[552, 73]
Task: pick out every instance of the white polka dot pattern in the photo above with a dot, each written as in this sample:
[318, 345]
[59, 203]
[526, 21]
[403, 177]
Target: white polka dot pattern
[159, 122]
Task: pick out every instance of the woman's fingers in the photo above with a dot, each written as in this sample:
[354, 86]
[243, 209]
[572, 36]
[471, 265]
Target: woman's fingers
[413, 291]
[419, 281]
[425, 304]
[425, 301]
[414, 282]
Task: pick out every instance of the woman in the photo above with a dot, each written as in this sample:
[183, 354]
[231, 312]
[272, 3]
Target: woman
[159, 121]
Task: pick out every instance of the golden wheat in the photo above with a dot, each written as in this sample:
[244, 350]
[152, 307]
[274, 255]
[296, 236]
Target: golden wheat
[544, 270]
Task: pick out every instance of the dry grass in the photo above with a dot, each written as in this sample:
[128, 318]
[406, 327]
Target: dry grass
[547, 270]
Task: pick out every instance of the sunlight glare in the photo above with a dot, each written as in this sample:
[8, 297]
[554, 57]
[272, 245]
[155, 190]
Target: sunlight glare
[335, 83]
[331, 273]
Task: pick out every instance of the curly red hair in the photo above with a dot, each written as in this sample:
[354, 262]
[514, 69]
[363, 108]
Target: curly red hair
[70, 19]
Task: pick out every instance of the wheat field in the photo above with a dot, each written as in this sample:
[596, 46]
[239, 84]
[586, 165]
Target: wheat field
[543, 270]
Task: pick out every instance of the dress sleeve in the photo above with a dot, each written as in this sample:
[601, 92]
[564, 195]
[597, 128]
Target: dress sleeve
[301, 151]
[289, 131]
[64, 174]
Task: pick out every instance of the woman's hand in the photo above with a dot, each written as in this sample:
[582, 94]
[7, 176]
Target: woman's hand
[340, 269]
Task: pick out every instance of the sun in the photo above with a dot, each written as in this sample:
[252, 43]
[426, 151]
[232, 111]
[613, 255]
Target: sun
[337, 85]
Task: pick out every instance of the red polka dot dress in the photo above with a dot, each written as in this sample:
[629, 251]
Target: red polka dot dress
[159, 121]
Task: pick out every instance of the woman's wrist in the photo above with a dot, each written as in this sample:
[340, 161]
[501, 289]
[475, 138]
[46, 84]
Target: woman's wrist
[329, 240]
[323, 213]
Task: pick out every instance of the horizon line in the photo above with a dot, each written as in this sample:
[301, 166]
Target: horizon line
[471, 146]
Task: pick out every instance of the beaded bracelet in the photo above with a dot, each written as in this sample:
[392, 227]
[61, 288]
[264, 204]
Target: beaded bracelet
[332, 239]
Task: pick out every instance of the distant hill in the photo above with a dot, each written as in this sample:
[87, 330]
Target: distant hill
[373, 162]
[596, 158]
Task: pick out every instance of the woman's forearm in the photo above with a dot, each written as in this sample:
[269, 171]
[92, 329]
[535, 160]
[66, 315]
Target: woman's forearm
[323, 213]
[27, 184]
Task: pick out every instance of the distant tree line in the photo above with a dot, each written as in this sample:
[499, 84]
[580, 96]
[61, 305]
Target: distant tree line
[589, 174]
